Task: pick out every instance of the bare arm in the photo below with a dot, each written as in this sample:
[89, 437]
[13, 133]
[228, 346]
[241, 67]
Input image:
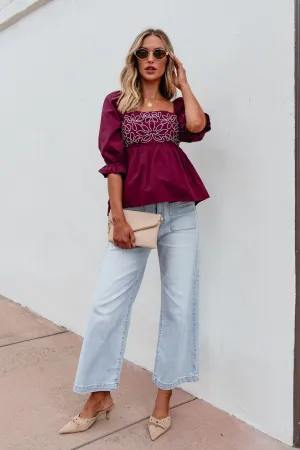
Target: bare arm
[115, 193]
[195, 117]
[123, 234]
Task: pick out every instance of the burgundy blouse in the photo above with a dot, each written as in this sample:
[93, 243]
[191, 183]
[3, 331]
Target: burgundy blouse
[144, 148]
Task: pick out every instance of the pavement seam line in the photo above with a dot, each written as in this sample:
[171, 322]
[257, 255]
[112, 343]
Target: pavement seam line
[34, 339]
[126, 426]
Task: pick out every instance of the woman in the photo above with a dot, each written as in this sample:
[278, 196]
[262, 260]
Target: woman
[140, 132]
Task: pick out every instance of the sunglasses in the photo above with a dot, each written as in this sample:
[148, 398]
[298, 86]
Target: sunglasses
[158, 53]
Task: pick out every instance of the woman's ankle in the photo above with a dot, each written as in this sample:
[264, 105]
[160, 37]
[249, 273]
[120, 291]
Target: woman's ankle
[162, 404]
[164, 395]
[100, 395]
[96, 401]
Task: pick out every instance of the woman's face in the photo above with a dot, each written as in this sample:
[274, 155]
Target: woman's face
[150, 68]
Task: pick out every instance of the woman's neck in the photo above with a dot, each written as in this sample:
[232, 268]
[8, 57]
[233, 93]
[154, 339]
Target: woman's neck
[151, 90]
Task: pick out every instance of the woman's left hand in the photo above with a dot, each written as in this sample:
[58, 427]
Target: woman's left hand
[180, 79]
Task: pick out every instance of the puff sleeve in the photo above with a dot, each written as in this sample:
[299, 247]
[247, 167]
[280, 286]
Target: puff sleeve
[184, 134]
[110, 140]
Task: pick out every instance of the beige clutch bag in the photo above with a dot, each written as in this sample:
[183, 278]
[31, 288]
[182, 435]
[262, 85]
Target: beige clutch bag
[144, 225]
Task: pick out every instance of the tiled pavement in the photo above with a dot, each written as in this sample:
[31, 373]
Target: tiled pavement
[37, 365]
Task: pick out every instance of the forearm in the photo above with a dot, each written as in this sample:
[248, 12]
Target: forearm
[195, 117]
[115, 193]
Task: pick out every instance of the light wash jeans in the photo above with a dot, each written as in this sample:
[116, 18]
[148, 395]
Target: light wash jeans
[177, 359]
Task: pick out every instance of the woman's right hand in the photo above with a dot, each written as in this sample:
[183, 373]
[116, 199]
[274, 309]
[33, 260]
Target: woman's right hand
[123, 235]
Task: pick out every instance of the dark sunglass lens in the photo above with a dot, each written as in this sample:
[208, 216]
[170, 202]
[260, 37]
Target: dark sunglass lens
[142, 53]
[159, 53]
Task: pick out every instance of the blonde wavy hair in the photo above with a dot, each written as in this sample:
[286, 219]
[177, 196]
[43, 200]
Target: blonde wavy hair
[131, 98]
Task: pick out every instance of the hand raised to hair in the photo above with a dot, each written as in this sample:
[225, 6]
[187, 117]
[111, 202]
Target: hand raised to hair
[180, 79]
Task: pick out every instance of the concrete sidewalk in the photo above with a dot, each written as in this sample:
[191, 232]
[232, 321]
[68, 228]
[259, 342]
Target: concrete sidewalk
[38, 361]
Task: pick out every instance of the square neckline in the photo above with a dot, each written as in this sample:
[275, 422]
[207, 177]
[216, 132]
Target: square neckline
[157, 111]
[151, 112]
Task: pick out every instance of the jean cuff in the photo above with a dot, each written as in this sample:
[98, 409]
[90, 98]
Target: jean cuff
[95, 388]
[169, 386]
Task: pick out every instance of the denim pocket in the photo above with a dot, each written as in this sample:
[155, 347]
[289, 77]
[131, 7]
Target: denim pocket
[183, 216]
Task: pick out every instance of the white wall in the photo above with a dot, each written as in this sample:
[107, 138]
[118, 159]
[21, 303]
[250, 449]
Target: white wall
[56, 67]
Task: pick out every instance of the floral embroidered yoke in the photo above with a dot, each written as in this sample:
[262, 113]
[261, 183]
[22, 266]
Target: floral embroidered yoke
[144, 148]
[144, 127]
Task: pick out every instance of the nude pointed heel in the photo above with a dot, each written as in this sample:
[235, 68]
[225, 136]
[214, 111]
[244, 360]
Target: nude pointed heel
[157, 427]
[78, 424]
